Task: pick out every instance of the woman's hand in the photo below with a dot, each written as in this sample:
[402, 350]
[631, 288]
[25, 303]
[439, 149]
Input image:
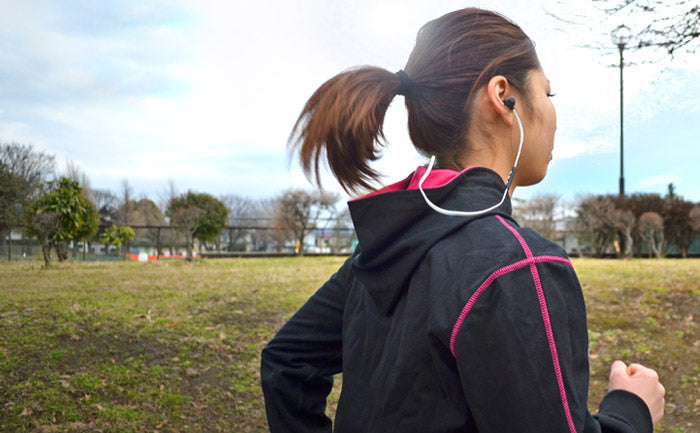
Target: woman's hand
[642, 381]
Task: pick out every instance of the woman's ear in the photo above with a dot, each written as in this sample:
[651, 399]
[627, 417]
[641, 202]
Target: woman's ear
[498, 90]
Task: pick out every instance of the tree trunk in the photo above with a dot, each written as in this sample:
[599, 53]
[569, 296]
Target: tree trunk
[2, 243]
[654, 248]
[661, 247]
[46, 251]
[61, 253]
[189, 247]
[628, 245]
[280, 241]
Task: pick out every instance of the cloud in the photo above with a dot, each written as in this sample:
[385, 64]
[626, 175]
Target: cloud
[207, 92]
[661, 180]
[77, 51]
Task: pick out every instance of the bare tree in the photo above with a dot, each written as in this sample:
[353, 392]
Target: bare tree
[538, 213]
[344, 233]
[624, 223]
[298, 211]
[676, 214]
[651, 228]
[13, 200]
[32, 166]
[23, 176]
[596, 222]
[74, 173]
[271, 235]
[638, 203]
[669, 25]
[241, 210]
[126, 203]
[107, 205]
[165, 197]
[695, 218]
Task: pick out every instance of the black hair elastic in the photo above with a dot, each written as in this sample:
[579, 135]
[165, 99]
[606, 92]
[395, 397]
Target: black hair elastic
[406, 84]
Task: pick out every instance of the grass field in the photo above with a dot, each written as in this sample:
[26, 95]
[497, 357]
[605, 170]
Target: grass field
[174, 347]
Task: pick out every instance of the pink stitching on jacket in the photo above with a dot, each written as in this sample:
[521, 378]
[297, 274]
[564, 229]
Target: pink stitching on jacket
[487, 282]
[547, 324]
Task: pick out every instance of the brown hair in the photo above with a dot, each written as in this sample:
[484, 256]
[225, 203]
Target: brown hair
[454, 56]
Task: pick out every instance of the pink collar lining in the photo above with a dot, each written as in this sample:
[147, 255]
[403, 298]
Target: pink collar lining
[436, 179]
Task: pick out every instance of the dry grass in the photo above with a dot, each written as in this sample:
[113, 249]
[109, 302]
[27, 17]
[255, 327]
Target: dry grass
[173, 347]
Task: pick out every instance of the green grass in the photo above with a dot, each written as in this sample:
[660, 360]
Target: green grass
[173, 346]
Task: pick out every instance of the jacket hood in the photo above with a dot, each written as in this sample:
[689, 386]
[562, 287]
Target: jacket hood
[396, 228]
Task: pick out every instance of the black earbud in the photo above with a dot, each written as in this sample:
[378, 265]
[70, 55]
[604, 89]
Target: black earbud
[510, 103]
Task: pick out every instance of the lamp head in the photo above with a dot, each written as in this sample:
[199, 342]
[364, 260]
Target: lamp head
[621, 35]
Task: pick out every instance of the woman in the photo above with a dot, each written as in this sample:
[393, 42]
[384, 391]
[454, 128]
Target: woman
[449, 317]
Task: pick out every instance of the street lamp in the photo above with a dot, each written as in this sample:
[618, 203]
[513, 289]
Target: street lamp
[621, 37]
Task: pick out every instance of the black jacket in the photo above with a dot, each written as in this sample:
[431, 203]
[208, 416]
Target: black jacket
[443, 324]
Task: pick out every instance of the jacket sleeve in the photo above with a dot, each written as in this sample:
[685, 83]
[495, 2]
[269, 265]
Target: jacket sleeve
[298, 365]
[522, 356]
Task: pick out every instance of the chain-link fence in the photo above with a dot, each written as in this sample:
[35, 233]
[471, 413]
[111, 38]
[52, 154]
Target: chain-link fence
[163, 242]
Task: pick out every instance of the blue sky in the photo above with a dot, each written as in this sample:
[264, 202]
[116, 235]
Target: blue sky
[205, 93]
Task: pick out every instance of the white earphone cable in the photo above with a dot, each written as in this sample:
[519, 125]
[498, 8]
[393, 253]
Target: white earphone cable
[449, 212]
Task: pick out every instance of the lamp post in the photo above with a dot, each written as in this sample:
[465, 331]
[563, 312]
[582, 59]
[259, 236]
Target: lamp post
[621, 37]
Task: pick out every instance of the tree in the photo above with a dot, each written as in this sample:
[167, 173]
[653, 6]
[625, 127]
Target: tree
[143, 212]
[669, 25]
[596, 221]
[165, 196]
[126, 202]
[117, 236]
[199, 216]
[538, 214]
[694, 217]
[638, 203]
[71, 217]
[240, 211]
[106, 203]
[43, 225]
[624, 223]
[23, 172]
[344, 231]
[651, 228]
[297, 212]
[35, 168]
[677, 228]
[74, 173]
[13, 198]
[186, 219]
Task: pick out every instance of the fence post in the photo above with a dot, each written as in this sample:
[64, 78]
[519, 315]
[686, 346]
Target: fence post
[158, 251]
[337, 235]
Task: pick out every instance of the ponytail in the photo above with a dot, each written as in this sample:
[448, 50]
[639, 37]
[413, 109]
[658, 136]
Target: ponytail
[454, 56]
[344, 119]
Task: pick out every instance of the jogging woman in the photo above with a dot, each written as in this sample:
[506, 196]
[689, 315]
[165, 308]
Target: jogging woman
[449, 317]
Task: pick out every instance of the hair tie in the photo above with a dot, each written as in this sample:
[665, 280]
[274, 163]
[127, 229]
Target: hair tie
[406, 84]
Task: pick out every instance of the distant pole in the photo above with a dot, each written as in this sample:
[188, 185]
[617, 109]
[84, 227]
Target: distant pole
[622, 123]
[620, 37]
[159, 251]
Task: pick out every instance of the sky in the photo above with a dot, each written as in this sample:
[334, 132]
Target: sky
[204, 93]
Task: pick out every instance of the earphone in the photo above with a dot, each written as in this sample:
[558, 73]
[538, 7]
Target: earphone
[510, 103]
